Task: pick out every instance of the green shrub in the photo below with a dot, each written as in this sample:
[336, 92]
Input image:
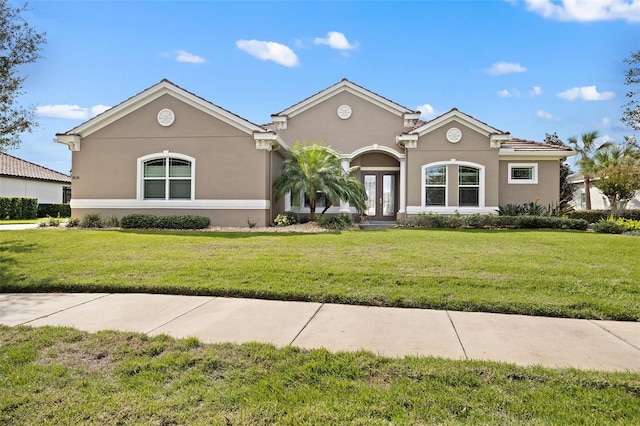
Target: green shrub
[591, 216]
[138, 221]
[54, 210]
[609, 227]
[148, 221]
[287, 219]
[18, 208]
[73, 222]
[510, 210]
[92, 220]
[432, 220]
[338, 222]
[112, 222]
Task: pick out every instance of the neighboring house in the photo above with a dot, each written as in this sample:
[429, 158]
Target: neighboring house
[599, 201]
[20, 178]
[168, 151]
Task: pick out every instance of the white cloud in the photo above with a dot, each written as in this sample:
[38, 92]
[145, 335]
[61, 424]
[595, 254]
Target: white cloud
[70, 112]
[547, 115]
[585, 93]
[506, 93]
[500, 68]
[336, 40]
[426, 111]
[269, 51]
[535, 91]
[182, 56]
[586, 10]
[606, 122]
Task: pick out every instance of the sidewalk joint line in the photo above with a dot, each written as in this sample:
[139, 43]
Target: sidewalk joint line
[457, 335]
[614, 334]
[66, 309]
[306, 324]
[182, 314]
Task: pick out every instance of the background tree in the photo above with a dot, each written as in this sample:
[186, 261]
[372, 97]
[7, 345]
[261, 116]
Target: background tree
[566, 187]
[313, 169]
[19, 44]
[631, 110]
[585, 148]
[618, 170]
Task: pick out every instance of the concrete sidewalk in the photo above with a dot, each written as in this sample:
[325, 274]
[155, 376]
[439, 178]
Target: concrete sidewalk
[523, 340]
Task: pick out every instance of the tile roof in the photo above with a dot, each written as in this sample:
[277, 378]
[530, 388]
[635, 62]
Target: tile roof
[526, 145]
[15, 167]
[344, 80]
[163, 81]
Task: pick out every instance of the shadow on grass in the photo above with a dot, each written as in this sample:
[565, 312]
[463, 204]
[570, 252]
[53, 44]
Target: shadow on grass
[222, 234]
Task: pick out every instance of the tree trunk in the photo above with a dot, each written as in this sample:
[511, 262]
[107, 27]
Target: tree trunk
[312, 209]
[587, 192]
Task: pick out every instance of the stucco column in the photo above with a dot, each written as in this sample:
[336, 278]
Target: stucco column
[287, 202]
[403, 186]
[344, 206]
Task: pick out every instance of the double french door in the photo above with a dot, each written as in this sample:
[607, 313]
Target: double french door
[382, 194]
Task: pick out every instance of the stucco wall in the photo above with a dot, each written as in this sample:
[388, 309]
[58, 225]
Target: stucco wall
[434, 147]
[228, 166]
[546, 191]
[369, 124]
[45, 192]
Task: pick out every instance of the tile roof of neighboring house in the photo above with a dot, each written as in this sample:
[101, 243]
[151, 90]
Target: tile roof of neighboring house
[15, 167]
[526, 145]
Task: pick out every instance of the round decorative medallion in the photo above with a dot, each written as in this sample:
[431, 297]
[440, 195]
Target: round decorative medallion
[454, 135]
[166, 117]
[344, 111]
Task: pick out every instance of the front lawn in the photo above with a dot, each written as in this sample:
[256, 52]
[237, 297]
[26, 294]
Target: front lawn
[65, 376]
[552, 273]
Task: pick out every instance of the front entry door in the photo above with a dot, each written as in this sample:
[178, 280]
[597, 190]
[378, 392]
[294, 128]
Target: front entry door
[381, 195]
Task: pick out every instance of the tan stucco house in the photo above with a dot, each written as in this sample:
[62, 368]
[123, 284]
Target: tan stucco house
[168, 151]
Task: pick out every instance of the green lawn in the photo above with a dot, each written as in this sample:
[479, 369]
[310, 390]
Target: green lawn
[21, 221]
[553, 273]
[64, 376]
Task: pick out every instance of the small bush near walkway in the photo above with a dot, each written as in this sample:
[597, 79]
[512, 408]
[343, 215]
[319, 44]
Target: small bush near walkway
[18, 208]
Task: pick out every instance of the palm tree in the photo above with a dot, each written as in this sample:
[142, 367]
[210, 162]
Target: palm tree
[313, 169]
[585, 149]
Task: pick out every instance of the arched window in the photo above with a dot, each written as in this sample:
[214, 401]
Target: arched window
[166, 176]
[440, 178]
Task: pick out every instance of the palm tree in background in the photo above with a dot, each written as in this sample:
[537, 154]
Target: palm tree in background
[313, 169]
[586, 148]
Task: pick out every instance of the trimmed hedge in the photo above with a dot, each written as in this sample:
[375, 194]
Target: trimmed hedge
[54, 210]
[478, 221]
[594, 216]
[18, 208]
[149, 221]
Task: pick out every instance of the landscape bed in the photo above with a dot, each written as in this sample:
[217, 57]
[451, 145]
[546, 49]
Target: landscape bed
[550, 273]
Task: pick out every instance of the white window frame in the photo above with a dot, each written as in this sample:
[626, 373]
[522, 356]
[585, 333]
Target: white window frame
[468, 186]
[532, 181]
[447, 208]
[158, 156]
[445, 185]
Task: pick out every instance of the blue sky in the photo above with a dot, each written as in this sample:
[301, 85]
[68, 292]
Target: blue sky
[529, 67]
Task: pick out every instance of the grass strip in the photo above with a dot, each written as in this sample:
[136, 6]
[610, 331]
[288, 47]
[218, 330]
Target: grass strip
[55, 375]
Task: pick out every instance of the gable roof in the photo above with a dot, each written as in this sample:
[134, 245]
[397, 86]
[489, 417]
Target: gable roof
[344, 85]
[423, 127]
[154, 92]
[17, 168]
